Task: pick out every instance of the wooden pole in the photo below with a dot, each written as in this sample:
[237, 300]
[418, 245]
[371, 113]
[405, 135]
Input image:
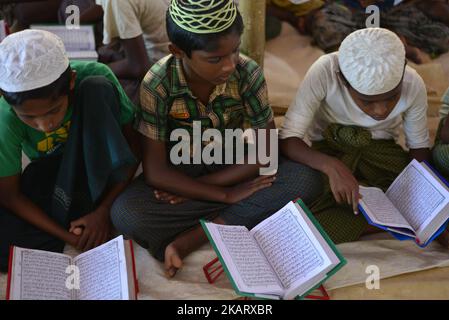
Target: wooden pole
[253, 39]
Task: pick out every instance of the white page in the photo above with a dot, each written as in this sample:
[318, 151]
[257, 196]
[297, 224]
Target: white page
[40, 275]
[327, 248]
[245, 261]
[82, 39]
[291, 247]
[103, 274]
[2, 30]
[83, 55]
[418, 196]
[380, 209]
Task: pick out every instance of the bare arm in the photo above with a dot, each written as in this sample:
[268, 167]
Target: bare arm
[162, 176]
[420, 154]
[92, 15]
[344, 186]
[136, 62]
[12, 199]
[237, 173]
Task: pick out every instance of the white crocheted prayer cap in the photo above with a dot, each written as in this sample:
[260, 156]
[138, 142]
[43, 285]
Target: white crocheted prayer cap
[31, 59]
[372, 60]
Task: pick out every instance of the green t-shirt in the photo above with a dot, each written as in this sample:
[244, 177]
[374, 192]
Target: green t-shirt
[16, 136]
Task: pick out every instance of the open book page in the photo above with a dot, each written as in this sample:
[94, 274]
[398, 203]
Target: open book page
[82, 39]
[83, 55]
[418, 196]
[103, 272]
[291, 247]
[130, 268]
[245, 261]
[380, 209]
[2, 30]
[39, 275]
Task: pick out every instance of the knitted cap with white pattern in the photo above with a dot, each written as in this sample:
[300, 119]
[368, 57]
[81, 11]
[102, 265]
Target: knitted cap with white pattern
[31, 59]
[372, 60]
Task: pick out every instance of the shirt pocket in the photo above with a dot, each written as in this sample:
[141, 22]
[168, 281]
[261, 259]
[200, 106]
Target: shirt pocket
[234, 117]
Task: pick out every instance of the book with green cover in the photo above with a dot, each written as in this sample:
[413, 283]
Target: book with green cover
[286, 256]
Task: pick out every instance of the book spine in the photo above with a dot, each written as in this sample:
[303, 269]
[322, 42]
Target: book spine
[438, 174]
[8, 285]
[136, 283]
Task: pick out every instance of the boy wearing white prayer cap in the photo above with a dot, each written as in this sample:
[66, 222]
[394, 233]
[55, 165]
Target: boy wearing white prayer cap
[61, 115]
[351, 106]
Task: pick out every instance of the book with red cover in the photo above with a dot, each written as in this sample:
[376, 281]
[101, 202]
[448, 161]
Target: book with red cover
[107, 272]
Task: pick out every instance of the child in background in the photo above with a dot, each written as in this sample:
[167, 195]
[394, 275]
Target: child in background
[299, 15]
[135, 34]
[206, 80]
[351, 105]
[20, 15]
[73, 121]
[422, 25]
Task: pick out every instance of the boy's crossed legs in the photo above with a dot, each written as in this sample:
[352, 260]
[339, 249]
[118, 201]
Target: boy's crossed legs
[171, 232]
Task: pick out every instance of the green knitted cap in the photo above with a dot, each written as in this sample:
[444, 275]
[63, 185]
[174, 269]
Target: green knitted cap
[203, 16]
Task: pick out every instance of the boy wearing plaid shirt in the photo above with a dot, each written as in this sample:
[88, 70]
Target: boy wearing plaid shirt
[205, 81]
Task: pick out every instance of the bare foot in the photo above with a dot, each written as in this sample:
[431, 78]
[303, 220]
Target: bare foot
[173, 260]
[443, 239]
[183, 245]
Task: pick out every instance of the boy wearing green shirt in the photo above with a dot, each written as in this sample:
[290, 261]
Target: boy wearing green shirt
[73, 121]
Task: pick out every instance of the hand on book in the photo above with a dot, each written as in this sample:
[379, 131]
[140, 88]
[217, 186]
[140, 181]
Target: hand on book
[95, 229]
[246, 189]
[169, 197]
[344, 185]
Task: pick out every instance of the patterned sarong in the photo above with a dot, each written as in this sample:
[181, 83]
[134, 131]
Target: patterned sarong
[373, 162]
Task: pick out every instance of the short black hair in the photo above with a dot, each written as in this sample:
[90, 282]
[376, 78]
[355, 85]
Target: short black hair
[56, 89]
[188, 41]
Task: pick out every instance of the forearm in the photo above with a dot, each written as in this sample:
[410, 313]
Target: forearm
[136, 62]
[127, 69]
[420, 154]
[231, 175]
[28, 211]
[122, 69]
[173, 181]
[92, 15]
[249, 167]
[297, 150]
